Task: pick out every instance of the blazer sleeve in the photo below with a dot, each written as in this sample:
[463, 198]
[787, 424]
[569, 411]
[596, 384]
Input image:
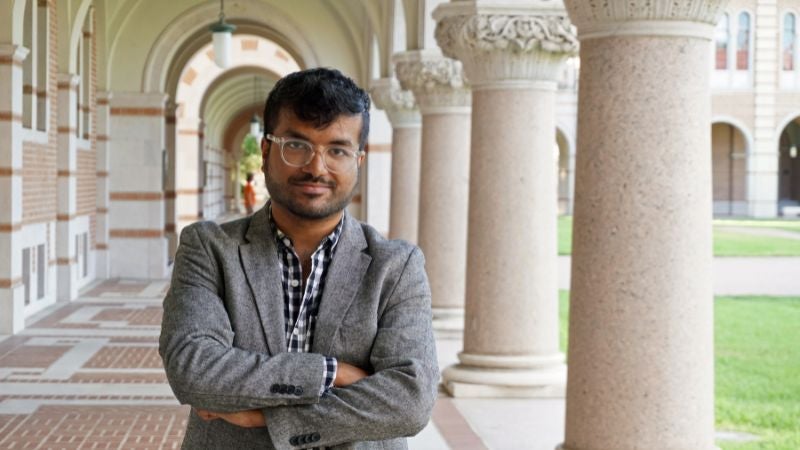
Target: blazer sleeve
[202, 365]
[396, 400]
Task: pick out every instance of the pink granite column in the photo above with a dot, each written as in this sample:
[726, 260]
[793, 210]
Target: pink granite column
[512, 58]
[641, 359]
[406, 144]
[444, 101]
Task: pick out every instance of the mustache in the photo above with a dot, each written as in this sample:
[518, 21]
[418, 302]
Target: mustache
[308, 178]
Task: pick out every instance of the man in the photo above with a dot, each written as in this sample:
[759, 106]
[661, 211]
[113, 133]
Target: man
[249, 194]
[299, 327]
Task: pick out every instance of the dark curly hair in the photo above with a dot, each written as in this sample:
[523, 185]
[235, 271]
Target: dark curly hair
[318, 96]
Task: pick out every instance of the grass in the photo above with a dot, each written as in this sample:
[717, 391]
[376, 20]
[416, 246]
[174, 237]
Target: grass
[757, 342]
[726, 242]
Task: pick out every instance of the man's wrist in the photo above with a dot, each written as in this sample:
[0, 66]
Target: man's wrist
[329, 374]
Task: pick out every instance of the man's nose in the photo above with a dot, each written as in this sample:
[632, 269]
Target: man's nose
[316, 166]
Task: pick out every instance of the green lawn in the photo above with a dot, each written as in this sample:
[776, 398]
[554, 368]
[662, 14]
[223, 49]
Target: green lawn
[726, 243]
[757, 343]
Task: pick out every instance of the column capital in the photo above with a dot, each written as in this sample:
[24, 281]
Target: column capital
[68, 81]
[685, 18]
[438, 82]
[398, 103]
[502, 45]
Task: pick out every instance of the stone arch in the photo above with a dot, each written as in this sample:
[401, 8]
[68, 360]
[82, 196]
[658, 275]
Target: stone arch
[11, 24]
[68, 44]
[731, 145]
[788, 146]
[564, 171]
[189, 32]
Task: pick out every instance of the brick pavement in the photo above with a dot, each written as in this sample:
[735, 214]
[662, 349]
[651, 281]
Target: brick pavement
[87, 375]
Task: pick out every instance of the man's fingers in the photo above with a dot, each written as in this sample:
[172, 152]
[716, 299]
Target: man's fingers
[206, 415]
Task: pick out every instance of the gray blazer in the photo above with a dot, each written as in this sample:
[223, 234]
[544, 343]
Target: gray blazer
[224, 347]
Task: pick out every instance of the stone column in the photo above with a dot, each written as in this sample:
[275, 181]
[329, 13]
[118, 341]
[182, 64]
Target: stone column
[406, 144]
[513, 58]
[102, 165]
[67, 163]
[12, 290]
[188, 158]
[137, 245]
[762, 171]
[444, 101]
[641, 359]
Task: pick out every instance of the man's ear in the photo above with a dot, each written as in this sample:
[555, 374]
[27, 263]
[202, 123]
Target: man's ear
[264, 153]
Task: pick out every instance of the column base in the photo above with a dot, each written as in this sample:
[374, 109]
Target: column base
[507, 376]
[448, 323]
[12, 309]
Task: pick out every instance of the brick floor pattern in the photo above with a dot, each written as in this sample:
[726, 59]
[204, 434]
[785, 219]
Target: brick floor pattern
[87, 375]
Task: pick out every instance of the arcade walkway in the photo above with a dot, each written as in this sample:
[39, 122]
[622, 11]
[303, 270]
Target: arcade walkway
[87, 375]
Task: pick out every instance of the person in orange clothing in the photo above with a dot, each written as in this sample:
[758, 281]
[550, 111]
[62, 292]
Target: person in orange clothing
[249, 194]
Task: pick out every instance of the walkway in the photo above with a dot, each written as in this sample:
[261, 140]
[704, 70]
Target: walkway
[87, 375]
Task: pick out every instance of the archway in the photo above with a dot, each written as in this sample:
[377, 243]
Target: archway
[729, 151]
[789, 169]
[564, 174]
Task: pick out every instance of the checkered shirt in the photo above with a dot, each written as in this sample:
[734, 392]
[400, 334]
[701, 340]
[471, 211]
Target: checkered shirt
[300, 307]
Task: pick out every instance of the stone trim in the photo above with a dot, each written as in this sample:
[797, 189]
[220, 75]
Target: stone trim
[438, 82]
[66, 261]
[10, 172]
[6, 283]
[135, 233]
[136, 196]
[399, 104]
[152, 112]
[6, 116]
[10, 227]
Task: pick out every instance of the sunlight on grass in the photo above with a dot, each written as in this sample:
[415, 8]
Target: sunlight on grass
[726, 243]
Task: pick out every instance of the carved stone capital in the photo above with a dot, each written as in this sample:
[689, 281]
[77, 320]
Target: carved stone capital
[398, 103]
[498, 45]
[687, 18]
[437, 82]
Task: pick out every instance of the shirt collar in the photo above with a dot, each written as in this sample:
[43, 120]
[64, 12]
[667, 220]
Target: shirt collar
[284, 241]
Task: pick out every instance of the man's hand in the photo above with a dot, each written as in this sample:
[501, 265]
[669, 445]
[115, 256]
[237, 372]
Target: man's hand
[347, 374]
[252, 418]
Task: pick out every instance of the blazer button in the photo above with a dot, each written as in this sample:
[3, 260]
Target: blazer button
[298, 390]
[293, 440]
[315, 437]
[306, 439]
[283, 389]
[274, 388]
[290, 389]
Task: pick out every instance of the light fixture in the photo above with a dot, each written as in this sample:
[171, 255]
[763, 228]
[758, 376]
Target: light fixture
[222, 39]
[255, 126]
[793, 152]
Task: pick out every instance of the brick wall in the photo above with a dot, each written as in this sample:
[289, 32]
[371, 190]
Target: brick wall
[39, 176]
[87, 157]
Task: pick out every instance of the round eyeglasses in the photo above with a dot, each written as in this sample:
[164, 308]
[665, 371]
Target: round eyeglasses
[298, 153]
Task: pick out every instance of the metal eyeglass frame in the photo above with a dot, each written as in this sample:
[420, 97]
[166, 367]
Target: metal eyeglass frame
[282, 140]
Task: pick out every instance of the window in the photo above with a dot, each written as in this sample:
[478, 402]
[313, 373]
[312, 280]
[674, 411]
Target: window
[789, 35]
[721, 37]
[28, 113]
[34, 68]
[743, 42]
[40, 270]
[26, 273]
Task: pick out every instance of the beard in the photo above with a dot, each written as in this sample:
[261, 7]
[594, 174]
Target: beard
[280, 194]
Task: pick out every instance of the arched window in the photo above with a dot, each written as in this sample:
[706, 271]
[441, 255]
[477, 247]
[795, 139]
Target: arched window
[789, 34]
[34, 68]
[743, 42]
[721, 38]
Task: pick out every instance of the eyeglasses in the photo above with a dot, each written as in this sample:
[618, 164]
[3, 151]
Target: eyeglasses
[298, 153]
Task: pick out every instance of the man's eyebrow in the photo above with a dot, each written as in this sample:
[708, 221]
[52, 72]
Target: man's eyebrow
[296, 134]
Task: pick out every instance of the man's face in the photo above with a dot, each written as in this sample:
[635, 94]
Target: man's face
[311, 192]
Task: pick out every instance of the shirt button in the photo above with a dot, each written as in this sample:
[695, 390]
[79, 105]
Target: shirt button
[287, 243]
[295, 332]
[295, 283]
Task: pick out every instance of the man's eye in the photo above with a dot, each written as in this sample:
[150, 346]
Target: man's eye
[339, 152]
[295, 145]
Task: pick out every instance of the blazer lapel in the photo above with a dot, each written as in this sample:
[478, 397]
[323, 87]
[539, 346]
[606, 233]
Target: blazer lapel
[342, 281]
[260, 262]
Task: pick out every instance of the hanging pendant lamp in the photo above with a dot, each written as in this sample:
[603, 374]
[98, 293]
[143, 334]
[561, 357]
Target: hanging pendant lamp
[222, 32]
